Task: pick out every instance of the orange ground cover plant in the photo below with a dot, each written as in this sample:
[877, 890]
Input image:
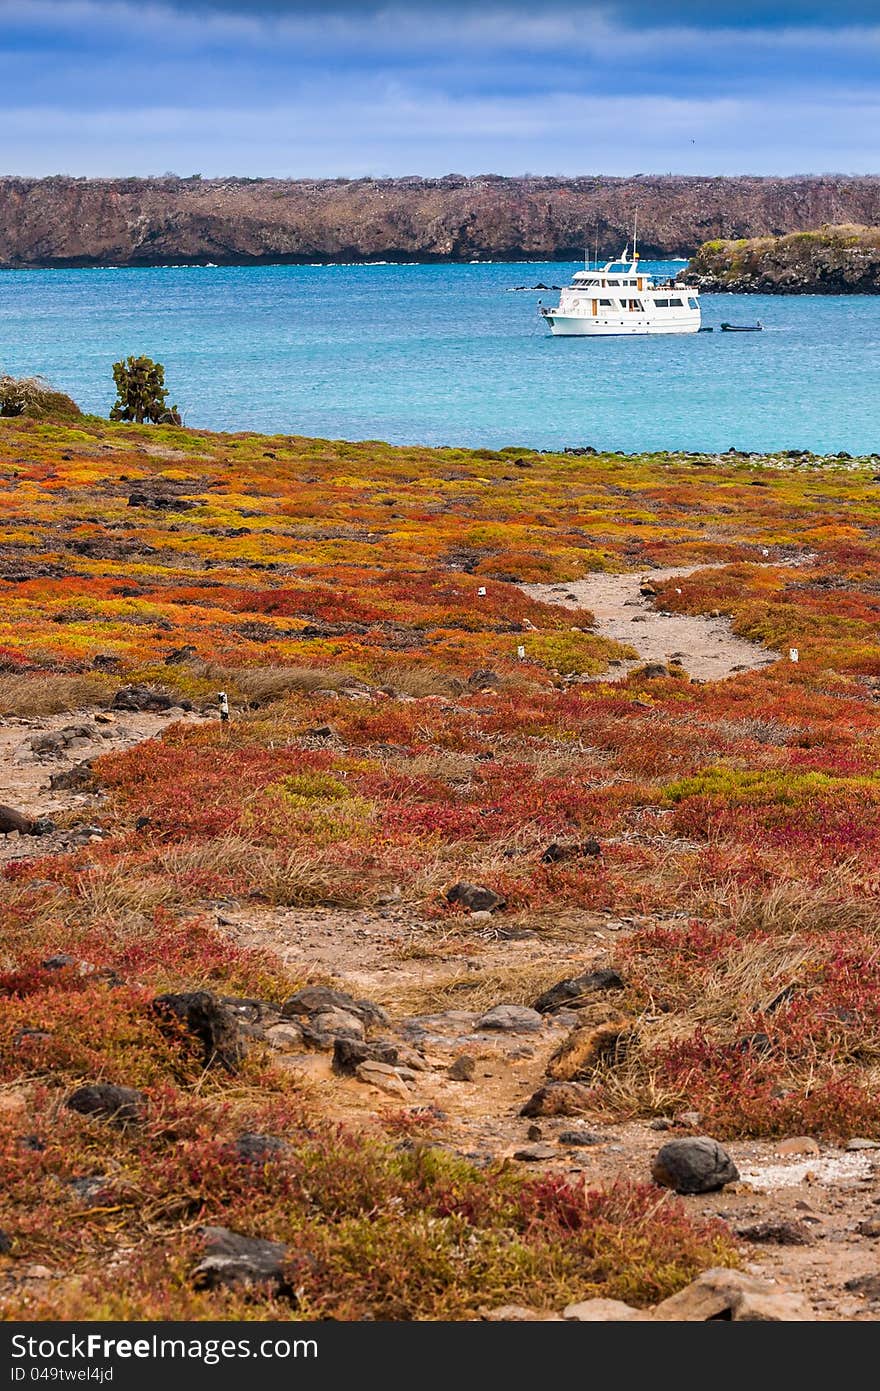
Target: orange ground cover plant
[361, 606]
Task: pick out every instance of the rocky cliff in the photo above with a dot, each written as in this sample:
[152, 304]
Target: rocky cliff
[829, 260]
[85, 222]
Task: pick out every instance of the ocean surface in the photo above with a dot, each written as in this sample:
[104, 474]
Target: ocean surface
[449, 355]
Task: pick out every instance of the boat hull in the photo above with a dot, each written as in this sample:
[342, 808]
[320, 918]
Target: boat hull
[579, 326]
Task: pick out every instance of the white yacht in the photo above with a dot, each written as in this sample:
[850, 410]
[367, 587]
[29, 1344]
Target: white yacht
[620, 298]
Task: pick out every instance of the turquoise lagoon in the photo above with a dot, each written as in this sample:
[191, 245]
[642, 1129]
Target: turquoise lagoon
[440, 354]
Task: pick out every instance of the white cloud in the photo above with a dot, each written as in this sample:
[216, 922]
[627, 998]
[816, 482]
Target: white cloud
[107, 86]
[399, 131]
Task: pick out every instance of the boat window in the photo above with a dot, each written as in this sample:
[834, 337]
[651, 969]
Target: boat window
[675, 304]
[661, 303]
[692, 303]
[606, 302]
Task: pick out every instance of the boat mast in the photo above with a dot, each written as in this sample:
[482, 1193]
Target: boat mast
[635, 234]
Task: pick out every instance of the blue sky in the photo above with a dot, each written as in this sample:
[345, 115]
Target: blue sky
[278, 87]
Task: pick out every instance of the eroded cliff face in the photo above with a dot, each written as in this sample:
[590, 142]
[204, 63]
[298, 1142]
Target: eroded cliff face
[828, 260]
[83, 222]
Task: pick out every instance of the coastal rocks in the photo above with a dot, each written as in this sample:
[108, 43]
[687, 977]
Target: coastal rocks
[232, 1260]
[178, 656]
[828, 260]
[108, 1102]
[517, 1313]
[697, 1165]
[866, 1285]
[475, 897]
[55, 744]
[734, 1295]
[211, 1023]
[162, 221]
[579, 1139]
[574, 991]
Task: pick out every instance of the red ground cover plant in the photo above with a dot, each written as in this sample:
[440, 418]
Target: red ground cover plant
[361, 605]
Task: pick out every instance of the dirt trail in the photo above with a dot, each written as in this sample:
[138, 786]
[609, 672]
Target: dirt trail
[707, 648]
[25, 773]
[413, 966]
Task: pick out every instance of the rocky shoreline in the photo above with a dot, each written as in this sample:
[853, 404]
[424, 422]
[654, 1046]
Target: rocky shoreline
[69, 222]
[836, 260]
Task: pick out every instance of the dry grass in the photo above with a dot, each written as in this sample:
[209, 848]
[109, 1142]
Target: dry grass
[259, 686]
[414, 681]
[790, 907]
[478, 990]
[40, 694]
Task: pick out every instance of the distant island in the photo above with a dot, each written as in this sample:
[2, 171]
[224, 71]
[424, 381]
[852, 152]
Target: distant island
[827, 260]
[62, 221]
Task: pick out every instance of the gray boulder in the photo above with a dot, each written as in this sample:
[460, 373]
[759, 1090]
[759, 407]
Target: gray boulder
[698, 1165]
[233, 1260]
[515, 1019]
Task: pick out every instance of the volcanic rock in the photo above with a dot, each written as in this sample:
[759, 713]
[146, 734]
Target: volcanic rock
[204, 1017]
[233, 1260]
[572, 992]
[107, 1101]
[697, 1165]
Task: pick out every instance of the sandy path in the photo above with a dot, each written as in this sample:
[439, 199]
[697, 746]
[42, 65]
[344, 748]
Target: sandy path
[25, 775]
[370, 952]
[708, 648]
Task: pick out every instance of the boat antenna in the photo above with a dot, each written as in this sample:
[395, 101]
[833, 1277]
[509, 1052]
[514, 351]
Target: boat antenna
[635, 234]
[597, 244]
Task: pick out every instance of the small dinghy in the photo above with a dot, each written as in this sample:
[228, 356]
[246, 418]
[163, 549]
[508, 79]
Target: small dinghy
[742, 328]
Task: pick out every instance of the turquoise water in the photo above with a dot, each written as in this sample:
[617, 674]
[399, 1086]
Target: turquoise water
[448, 355]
